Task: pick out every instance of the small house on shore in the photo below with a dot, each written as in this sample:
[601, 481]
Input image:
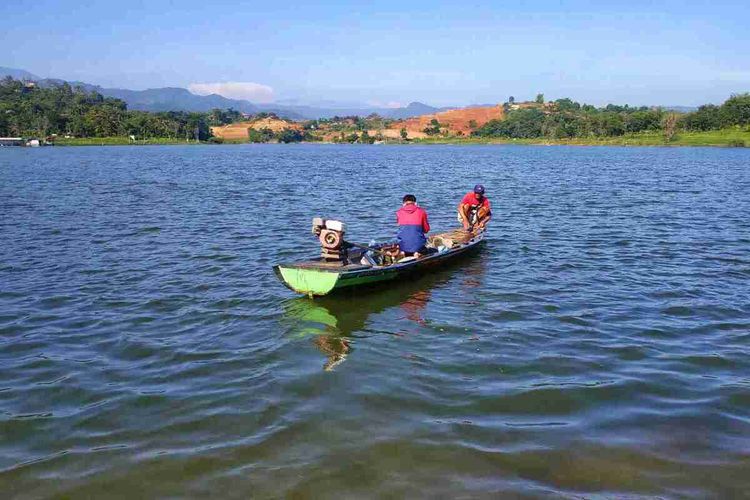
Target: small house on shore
[11, 141]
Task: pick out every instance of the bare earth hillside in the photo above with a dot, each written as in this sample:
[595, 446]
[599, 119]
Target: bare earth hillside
[238, 131]
[454, 120]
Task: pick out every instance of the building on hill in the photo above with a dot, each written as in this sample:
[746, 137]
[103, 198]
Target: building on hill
[28, 87]
[546, 106]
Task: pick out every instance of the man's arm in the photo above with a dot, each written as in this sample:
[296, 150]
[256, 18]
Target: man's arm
[425, 223]
[484, 221]
[463, 209]
[484, 215]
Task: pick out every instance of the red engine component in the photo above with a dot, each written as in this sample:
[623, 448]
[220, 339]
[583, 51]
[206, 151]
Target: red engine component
[330, 233]
[331, 240]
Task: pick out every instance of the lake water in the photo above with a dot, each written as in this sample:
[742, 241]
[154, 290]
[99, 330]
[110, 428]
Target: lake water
[599, 343]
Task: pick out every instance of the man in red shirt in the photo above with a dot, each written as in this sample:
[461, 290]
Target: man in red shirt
[412, 226]
[474, 209]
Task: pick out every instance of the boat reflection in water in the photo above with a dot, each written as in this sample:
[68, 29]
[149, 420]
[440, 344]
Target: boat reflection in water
[332, 321]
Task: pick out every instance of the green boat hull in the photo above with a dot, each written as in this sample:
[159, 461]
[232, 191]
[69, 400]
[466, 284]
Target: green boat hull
[317, 280]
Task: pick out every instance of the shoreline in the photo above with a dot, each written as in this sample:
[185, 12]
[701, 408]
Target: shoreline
[735, 138]
[714, 138]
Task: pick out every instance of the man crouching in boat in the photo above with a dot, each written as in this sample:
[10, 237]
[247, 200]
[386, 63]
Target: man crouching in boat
[412, 226]
[474, 209]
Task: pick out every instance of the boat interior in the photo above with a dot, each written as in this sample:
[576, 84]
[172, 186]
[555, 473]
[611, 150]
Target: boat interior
[357, 257]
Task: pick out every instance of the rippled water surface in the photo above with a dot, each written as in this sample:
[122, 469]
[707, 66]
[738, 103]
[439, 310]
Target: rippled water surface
[597, 344]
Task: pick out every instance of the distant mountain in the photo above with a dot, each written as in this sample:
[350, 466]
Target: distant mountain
[413, 109]
[179, 99]
[18, 74]
[175, 99]
[54, 82]
[314, 113]
[329, 109]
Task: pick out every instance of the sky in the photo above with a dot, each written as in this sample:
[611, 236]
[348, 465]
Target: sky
[391, 53]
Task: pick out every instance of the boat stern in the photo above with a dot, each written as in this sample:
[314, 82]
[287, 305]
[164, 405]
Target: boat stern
[307, 281]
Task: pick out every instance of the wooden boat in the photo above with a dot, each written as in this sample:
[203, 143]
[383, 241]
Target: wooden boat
[322, 276]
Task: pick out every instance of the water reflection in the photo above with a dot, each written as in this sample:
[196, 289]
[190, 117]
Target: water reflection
[414, 305]
[330, 330]
[472, 279]
[332, 321]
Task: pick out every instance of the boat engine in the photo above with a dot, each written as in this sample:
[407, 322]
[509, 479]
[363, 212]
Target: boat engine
[330, 233]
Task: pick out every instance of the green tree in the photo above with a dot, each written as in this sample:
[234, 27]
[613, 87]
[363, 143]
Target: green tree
[260, 136]
[217, 117]
[708, 117]
[563, 104]
[105, 121]
[291, 135]
[518, 124]
[433, 128]
[644, 120]
[561, 125]
[608, 123]
[736, 110]
[404, 134]
[366, 138]
[360, 123]
[540, 98]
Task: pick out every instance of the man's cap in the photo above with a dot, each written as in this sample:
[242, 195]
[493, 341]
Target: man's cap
[479, 189]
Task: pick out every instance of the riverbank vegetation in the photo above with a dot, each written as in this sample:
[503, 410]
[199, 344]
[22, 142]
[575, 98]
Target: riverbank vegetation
[563, 121]
[27, 110]
[285, 135]
[729, 137]
[118, 141]
[569, 121]
[68, 115]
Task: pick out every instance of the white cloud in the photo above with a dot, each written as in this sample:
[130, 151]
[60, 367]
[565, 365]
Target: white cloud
[388, 104]
[254, 92]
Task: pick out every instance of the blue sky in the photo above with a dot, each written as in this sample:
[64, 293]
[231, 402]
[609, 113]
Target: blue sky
[381, 52]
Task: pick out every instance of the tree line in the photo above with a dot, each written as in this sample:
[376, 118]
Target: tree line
[565, 118]
[27, 110]
[285, 135]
